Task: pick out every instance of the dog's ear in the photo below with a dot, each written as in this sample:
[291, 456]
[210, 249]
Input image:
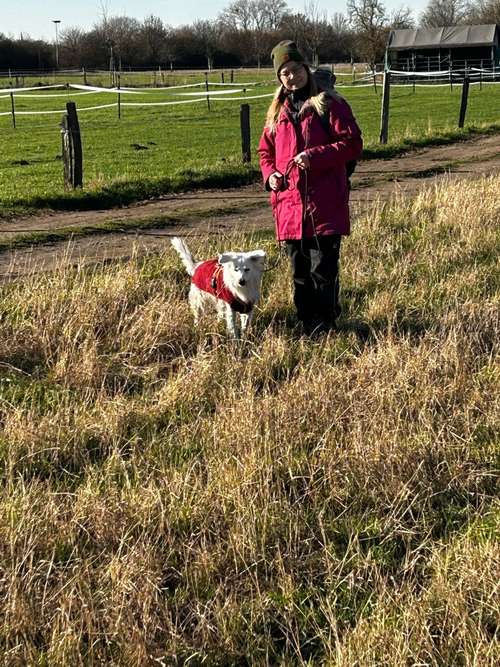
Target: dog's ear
[257, 255]
[226, 257]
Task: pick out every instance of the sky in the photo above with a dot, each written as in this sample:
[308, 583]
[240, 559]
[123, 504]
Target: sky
[35, 18]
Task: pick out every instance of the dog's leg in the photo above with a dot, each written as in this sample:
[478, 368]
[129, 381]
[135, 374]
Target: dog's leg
[220, 307]
[195, 301]
[232, 327]
[245, 320]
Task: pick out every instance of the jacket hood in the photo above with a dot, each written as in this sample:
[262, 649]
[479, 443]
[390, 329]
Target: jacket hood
[319, 103]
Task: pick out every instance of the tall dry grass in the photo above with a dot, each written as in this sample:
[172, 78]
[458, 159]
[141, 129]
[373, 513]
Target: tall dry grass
[170, 498]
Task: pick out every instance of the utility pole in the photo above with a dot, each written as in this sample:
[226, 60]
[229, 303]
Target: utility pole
[56, 23]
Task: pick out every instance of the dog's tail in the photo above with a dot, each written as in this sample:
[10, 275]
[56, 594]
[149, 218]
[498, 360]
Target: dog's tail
[186, 257]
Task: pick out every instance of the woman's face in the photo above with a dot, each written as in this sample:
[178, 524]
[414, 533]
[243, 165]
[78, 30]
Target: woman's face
[293, 75]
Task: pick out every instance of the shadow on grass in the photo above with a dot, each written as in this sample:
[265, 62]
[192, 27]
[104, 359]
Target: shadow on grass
[367, 331]
[127, 192]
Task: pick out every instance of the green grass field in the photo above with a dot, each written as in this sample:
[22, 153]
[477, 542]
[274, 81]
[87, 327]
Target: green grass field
[163, 148]
[170, 498]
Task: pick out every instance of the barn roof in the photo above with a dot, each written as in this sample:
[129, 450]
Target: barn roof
[447, 37]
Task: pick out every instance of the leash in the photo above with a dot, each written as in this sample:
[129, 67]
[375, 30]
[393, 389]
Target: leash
[281, 253]
[217, 272]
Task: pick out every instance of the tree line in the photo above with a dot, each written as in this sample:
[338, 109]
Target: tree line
[242, 35]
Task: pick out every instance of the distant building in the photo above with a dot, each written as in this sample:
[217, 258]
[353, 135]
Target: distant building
[455, 48]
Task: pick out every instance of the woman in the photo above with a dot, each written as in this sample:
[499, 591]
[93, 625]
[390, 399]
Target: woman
[308, 138]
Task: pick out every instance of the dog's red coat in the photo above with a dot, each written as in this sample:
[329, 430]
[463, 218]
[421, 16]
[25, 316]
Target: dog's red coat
[208, 276]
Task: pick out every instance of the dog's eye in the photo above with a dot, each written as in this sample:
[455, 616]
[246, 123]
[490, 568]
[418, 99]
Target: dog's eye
[246, 269]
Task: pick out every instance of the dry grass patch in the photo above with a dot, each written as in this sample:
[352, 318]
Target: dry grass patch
[169, 497]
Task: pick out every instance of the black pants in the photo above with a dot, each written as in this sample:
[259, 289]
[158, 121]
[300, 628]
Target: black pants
[315, 268]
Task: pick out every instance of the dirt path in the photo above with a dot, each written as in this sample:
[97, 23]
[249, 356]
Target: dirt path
[226, 210]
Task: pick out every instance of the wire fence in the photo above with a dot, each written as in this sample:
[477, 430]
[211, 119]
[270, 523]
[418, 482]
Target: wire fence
[165, 125]
[228, 92]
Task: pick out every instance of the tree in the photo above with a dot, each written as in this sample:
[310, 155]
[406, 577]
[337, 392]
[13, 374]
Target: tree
[154, 36]
[369, 20]
[294, 26]
[316, 29]
[342, 39]
[485, 11]
[238, 15]
[401, 19]
[276, 12]
[25, 53]
[208, 33]
[247, 15]
[72, 44]
[120, 35]
[255, 21]
[439, 13]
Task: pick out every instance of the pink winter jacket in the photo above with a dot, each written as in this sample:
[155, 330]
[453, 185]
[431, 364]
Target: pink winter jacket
[323, 188]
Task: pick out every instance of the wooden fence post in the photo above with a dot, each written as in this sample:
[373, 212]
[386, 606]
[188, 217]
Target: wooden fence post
[245, 132]
[384, 119]
[13, 107]
[222, 77]
[67, 153]
[463, 102]
[71, 148]
[232, 76]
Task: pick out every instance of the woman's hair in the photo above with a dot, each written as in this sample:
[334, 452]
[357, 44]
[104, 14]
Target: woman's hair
[279, 99]
[318, 97]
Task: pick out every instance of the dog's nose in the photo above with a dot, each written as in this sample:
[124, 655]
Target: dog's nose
[242, 281]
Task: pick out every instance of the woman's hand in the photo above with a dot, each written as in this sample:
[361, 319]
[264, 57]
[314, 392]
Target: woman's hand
[302, 160]
[275, 181]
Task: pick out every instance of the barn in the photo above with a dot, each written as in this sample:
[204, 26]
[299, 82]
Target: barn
[454, 47]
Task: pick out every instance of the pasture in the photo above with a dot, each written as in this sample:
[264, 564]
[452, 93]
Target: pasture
[158, 77]
[169, 498]
[157, 149]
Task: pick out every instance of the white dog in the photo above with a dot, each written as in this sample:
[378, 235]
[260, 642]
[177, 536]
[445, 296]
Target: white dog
[230, 283]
